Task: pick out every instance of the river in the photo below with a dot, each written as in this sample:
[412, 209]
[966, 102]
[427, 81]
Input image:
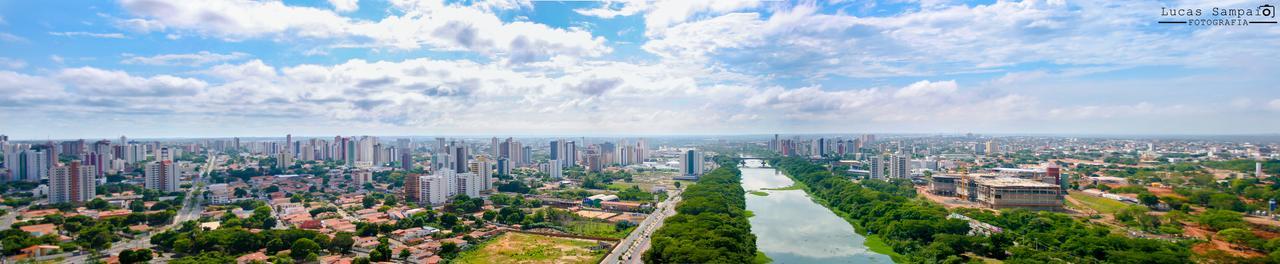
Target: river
[791, 228]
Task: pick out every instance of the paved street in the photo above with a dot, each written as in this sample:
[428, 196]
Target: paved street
[632, 248]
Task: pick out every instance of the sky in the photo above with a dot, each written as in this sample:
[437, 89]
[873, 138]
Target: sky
[152, 68]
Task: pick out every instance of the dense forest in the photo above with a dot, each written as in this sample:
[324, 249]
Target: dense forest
[921, 230]
[710, 225]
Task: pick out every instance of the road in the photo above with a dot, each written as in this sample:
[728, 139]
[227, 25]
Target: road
[190, 211]
[632, 248]
[194, 202]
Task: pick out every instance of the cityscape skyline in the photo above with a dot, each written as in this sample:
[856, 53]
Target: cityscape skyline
[173, 69]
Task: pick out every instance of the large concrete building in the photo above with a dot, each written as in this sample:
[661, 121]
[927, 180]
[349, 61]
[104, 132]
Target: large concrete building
[943, 184]
[997, 192]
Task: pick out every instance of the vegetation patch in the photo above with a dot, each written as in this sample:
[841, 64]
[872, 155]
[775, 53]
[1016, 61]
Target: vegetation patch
[710, 225]
[759, 193]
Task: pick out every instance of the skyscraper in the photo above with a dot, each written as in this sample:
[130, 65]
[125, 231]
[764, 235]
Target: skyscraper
[691, 164]
[72, 183]
[161, 175]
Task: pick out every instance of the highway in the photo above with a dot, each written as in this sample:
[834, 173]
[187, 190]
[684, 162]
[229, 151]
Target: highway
[632, 248]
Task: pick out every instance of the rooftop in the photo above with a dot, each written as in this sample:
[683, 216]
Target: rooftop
[1013, 182]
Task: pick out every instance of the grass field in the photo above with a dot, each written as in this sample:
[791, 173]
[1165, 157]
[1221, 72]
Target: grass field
[526, 248]
[1100, 204]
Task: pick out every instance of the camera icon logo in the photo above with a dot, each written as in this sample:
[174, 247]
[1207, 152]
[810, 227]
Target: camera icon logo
[1267, 10]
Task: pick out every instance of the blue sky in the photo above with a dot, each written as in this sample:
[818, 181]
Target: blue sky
[152, 68]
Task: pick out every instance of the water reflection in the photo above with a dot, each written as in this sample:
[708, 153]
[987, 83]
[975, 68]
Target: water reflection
[791, 228]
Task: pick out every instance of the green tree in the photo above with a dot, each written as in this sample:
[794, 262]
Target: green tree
[342, 243]
[137, 206]
[275, 245]
[1148, 199]
[303, 247]
[97, 204]
[129, 256]
[1239, 236]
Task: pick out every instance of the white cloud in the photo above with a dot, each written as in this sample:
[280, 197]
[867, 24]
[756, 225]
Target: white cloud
[345, 5]
[26, 90]
[1274, 105]
[431, 24]
[611, 9]
[187, 59]
[926, 88]
[94, 81]
[12, 63]
[140, 25]
[663, 14]
[88, 34]
[11, 38]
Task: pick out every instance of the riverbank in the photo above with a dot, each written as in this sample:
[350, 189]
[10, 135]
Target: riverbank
[791, 227]
[873, 242]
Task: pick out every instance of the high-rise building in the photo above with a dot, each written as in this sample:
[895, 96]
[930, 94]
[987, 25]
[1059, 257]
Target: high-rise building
[284, 160]
[406, 160]
[691, 162]
[470, 184]
[161, 175]
[556, 152]
[493, 147]
[554, 169]
[526, 156]
[360, 177]
[593, 160]
[412, 187]
[1257, 170]
[29, 165]
[458, 157]
[876, 165]
[898, 167]
[71, 183]
[504, 166]
[433, 189]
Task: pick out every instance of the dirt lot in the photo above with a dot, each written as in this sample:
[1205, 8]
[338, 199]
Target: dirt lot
[526, 248]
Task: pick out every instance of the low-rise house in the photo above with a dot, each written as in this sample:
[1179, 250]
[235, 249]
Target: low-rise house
[40, 229]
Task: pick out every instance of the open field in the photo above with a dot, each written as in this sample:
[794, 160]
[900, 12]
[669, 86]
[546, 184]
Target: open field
[1099, 204]
[526, 248]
